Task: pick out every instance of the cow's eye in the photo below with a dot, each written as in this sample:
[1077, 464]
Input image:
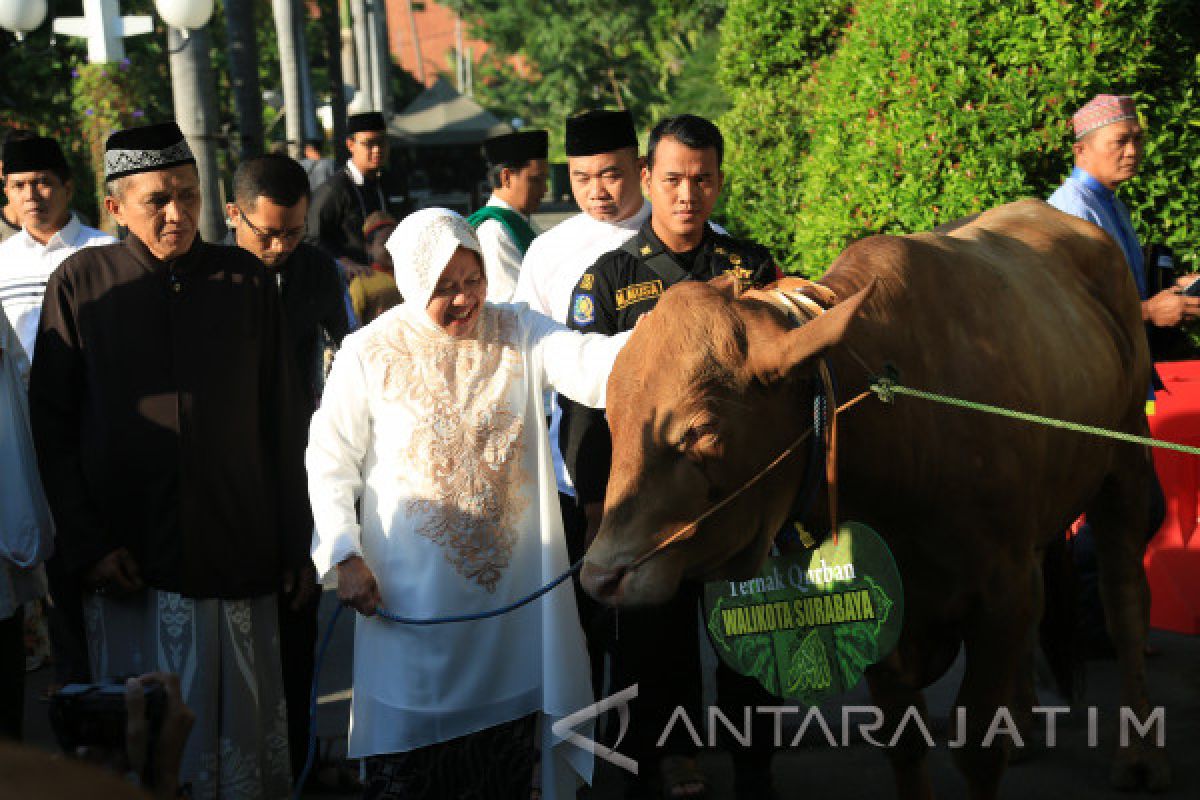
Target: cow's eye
[703, 435]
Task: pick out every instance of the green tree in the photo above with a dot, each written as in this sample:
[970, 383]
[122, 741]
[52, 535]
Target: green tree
[852, 118]
[548, 60]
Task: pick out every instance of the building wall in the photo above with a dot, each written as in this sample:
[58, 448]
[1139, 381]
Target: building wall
[435, 33]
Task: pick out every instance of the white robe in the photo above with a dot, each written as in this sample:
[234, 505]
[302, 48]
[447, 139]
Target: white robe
[444, 442]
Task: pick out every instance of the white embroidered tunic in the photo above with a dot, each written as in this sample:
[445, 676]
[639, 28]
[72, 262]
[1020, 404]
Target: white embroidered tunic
[442, 440]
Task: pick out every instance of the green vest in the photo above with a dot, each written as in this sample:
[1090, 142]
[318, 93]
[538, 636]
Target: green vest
[518, 229]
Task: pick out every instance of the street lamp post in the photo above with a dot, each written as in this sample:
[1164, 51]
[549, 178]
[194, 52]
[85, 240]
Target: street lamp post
[22, 16]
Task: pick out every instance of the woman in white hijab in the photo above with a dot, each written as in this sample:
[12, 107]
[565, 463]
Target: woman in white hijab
[432, 422]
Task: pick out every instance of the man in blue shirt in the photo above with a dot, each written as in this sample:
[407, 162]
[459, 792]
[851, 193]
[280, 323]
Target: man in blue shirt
[1108, 149]
[1109, 143]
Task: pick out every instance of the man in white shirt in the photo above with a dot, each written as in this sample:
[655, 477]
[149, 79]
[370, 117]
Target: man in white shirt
[38, 181]
[518, 173]
[605, 172]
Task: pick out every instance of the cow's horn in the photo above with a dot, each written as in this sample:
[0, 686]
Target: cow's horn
[810, 340]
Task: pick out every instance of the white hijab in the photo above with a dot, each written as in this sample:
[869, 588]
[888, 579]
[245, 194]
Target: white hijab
[421, 247]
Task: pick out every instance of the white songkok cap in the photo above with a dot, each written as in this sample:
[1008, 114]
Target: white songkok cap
[422, 245]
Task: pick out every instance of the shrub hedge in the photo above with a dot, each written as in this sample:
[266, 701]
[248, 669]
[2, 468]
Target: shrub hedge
[852, 118]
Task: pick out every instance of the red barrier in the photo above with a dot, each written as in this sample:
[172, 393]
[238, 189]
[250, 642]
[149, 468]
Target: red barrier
[1173, 555]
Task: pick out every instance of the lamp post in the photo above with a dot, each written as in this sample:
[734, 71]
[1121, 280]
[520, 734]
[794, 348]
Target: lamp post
[194, 94]
[22, 16]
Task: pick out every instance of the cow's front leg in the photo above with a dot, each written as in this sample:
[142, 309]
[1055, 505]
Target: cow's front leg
[920, 658]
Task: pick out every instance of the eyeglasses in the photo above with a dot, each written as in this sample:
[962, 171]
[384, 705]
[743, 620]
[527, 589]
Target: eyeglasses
[266, 237]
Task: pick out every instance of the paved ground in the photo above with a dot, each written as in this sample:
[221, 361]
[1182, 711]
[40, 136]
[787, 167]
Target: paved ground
[1072, 770]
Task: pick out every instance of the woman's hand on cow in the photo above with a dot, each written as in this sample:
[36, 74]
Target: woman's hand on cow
[357, 587]
[1169, 308]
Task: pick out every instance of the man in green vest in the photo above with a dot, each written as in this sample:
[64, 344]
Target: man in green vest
[518, 171]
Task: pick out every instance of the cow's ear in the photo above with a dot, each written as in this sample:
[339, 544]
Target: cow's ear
[791, 352]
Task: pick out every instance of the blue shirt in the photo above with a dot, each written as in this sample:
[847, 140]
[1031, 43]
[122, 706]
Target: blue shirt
[1087, 198]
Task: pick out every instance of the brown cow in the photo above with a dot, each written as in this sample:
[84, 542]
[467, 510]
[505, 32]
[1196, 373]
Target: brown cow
[1023, 307]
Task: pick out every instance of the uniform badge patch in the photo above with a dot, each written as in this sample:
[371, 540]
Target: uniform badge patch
[587, 281]
[583, 310]
[628, 295]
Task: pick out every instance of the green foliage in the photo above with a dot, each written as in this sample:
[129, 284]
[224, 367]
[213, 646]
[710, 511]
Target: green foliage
[648, 56]
[852, 118]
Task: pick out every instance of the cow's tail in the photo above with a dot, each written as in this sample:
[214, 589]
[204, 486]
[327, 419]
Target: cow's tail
[1058, 631]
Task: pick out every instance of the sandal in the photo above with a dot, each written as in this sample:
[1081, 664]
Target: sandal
[682, 778]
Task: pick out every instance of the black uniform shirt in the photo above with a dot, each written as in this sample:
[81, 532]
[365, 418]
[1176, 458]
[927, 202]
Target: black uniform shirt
[609, 298]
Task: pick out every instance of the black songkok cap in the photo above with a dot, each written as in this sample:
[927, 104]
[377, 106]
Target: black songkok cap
[595, 132]
[33, 153]
[511, 149]
[368, 121]
[145, 149]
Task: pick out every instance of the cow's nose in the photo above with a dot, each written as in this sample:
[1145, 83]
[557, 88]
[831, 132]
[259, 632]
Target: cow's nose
[602, 584]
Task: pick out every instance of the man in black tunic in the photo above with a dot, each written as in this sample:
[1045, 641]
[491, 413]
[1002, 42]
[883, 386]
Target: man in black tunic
[658, 648]
[170, 432]
[341, 205]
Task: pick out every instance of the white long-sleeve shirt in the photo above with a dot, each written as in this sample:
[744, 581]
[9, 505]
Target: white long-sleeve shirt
[441, 444]
[25, 267]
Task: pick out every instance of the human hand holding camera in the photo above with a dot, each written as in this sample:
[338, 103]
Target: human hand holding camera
[173, 732]
[137, 729]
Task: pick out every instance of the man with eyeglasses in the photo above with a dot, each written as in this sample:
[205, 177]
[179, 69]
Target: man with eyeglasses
[341, 205]
[269, 209]
[271, 195]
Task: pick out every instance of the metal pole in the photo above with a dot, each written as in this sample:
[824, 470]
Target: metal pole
[362, 50]
[243, 76]
[289, 72]
[196, 112]
[308, 99]
[383, 57]
[349, 51]
[416, 41]
[331, 22]
[458, 53]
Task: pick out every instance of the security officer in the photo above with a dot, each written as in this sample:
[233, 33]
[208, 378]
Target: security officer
[658, 648]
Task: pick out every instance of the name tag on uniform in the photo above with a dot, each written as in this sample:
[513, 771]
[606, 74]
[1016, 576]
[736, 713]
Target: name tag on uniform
[638, 293]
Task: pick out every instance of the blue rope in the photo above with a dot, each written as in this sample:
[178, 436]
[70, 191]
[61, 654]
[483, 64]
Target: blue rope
[388, 615]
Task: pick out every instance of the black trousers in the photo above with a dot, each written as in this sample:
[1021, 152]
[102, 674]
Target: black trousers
[12, 675]
[64, 620]
[297, 653]
[591, 613]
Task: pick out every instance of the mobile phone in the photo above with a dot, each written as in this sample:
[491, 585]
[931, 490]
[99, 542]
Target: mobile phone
[1192, 289]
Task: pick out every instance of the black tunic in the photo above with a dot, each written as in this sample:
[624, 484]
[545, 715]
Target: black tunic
[168, 420]
[339, 208]
[313, 300]
[609, 298]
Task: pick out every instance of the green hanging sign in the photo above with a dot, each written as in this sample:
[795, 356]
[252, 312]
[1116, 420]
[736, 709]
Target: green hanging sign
[811, 621]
